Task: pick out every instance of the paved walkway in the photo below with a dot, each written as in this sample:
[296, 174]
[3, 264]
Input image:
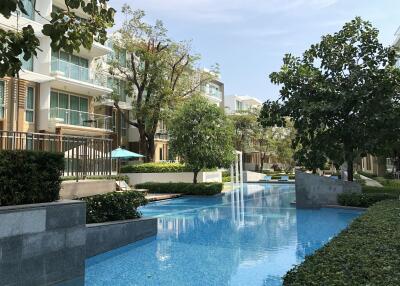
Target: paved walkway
[370, 182]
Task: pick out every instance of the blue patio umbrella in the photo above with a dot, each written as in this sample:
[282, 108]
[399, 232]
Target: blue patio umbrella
[120, 153]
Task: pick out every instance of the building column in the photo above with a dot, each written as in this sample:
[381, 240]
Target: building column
[44, 106]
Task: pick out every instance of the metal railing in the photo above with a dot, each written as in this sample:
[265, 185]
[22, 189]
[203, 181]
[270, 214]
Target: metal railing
[84, 156]
[81, 118]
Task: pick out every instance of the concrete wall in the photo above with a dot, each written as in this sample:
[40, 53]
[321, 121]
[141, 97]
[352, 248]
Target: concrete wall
[86, 188]
[42, 244]
[249, 176]
[313, 191]
[102, 237]
[185, 177]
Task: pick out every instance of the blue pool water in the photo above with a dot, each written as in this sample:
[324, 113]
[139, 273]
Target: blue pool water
[248, 237]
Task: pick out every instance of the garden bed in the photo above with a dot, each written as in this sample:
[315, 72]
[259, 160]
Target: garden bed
[366, 253]
[199, 189]
[368, 197]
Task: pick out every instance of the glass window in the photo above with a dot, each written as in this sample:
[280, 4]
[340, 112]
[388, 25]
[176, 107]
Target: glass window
[28, 6]
[1, 99]
[30, 104]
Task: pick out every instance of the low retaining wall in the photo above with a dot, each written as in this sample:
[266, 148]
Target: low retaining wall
[86, 188]
[313, 191]
[249, 176]
[42, 244]
[184, 177]
[102, 237]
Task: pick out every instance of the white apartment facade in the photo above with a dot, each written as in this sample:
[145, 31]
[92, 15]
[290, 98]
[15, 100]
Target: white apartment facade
[57, 92]
[241, 103]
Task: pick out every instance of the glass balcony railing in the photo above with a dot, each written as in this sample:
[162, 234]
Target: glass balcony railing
[70, 70]
[81, 118]
[77, 72]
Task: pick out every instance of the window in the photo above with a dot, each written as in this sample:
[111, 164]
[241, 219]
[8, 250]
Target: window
[124, 129]
[30, 104]
[161, 154]
[28, 6]
[70, 65]
[26, 65]
[72, 109]
[119, 86]
[2, 99]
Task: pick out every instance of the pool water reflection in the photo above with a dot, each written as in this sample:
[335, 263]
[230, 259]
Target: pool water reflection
[248, 237]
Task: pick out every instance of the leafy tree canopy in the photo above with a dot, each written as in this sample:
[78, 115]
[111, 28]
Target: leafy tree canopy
[201, 135]
[342, 93]
[160, 73]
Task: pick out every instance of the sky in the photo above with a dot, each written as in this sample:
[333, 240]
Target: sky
[248, 38]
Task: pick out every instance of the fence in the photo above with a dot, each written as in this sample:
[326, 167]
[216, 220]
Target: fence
[84, 156]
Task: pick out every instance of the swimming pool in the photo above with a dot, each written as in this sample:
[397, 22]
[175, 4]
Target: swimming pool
[248, 237]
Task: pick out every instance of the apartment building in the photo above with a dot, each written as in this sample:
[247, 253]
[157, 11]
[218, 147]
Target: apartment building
[59, 92]
[214, 91]
[241, 103]
[237, 104]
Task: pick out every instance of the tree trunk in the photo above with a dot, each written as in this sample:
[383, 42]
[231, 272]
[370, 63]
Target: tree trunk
[262, 158]
[195, 173]
[150, 148]
[350, 170]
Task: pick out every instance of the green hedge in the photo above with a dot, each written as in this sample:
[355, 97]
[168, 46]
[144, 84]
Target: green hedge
[394, 183]
[380, 190]
[155, 168]
[114, 206]
[28, 177]
[363, 200]
[199, 189]
[366, 253]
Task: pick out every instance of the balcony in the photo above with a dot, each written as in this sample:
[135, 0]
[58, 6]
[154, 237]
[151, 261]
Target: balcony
[78, 79]
[80, 118]
[161, 134]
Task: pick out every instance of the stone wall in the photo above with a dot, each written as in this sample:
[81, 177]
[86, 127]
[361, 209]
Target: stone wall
[102, 237]
[184, 177]
[42, 244]
[249, 176]
[313, 191]
[85, 188]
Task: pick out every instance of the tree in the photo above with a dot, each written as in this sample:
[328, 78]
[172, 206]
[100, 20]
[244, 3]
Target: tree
[201, 135]
[244, 126]
[160, 72]
[343, 92]
[66, 30]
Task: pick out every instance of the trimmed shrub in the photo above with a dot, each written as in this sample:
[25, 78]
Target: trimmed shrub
[29, 177]
[394, 183]
[380, 190]
[363, 200]
[199, 189]
[155, 168]
[365, 253]
[114, 206]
